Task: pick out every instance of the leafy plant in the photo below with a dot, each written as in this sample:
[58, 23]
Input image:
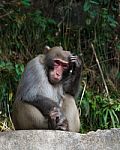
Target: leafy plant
[26, 3]
[10, 73]
[99, 111]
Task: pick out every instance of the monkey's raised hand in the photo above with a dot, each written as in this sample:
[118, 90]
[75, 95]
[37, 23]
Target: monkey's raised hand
[75, 62]
[57, 120]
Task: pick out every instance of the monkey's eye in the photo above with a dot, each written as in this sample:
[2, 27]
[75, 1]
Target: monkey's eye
[65, 66]
[61, 63]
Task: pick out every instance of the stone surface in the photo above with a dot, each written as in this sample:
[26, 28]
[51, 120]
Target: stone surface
[59, 140]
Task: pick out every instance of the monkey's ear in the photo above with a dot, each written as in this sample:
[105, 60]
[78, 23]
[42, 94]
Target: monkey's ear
[46, 49]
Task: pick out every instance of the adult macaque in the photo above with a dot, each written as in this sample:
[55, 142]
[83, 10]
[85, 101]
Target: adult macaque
[46, 92]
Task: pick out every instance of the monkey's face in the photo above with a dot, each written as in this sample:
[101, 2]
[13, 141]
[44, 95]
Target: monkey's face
[56, 74]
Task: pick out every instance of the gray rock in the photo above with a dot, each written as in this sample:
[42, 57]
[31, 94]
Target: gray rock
[60, 140]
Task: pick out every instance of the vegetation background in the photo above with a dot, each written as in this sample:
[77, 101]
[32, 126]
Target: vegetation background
[90, 28]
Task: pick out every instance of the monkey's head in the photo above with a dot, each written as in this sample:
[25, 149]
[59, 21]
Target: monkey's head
[56, 63]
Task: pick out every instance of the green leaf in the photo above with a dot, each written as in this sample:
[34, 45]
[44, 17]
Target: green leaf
[112, 118]
[94, 2]
[26, 3]
[86, 6]
[19, 68]
[115, 116]
[118, 46]
[106, 116]
[112, 21]
[51, 21]
[22, 68]
[2, 64]
[93, 14]
[118, 75]
[117, 108]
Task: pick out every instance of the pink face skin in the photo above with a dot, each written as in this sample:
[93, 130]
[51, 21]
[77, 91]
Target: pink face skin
[57, 73]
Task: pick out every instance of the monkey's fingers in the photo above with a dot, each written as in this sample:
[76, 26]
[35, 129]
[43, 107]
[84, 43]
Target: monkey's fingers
[76, 60]
[62, 125]
[54, 115]
[52, 120]
[73, 58]
[63, 128]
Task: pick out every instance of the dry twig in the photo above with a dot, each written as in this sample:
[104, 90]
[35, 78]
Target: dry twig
[97, 61]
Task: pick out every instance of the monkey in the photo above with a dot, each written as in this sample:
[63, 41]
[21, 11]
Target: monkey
[45, 97]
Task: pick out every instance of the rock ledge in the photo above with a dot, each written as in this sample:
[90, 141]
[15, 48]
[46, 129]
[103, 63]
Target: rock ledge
[59, 140]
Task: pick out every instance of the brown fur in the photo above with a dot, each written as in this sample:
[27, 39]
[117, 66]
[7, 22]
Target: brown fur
[26, 116]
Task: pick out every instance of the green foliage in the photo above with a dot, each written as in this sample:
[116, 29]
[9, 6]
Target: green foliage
[99, 111]
[25, 32]
[10, 74]
[102, 30]
[105, 18]
[26, 3]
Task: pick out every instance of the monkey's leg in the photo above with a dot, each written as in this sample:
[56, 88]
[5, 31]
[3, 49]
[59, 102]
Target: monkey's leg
[71, 112]
[26, 116]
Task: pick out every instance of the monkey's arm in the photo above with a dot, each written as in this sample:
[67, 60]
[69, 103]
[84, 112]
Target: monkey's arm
[44, 104]
[51, 110]
[72, 83]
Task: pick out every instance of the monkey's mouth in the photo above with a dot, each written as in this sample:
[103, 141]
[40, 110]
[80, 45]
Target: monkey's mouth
[57, 79]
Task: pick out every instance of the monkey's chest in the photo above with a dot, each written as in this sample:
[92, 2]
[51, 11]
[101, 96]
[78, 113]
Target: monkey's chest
[54, 93]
